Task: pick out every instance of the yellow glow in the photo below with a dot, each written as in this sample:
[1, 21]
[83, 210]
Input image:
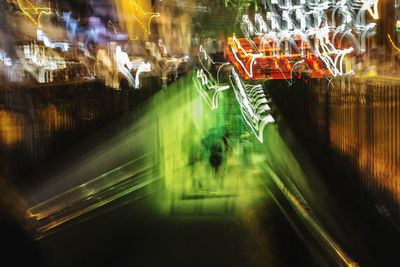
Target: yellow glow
[143, 18]
[137, 20]
[32, 12]
[392, 43]
[373, 159]
[11, 128]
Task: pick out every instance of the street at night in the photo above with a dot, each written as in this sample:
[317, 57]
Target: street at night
[200, 133]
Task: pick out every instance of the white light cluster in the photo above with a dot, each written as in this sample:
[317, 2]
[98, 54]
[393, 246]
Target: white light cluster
[251, 98]
[5, 59]
[332, 29]
[41, 36]
[39, 63]
[125, 67]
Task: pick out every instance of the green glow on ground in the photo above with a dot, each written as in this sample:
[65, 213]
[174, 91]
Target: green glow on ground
[187, 123]
[179, 128]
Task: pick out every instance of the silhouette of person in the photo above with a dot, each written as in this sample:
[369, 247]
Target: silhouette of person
[247, 149]
[218, 146]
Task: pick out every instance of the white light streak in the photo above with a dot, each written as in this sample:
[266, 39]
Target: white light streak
[207, 80]
[253, 105]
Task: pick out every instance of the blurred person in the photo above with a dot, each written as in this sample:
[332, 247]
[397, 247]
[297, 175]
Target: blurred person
[246, 150]
[216, 157]
[218, 146]
[220, 44]
[162, 48]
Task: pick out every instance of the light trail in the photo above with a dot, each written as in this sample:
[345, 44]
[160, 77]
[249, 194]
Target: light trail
[207, 80]
[32, 12]
[143, 67]
[253, 105]
[392, 43]
[98, 192]
[304, 211]
[308, 22]
[142, 17]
